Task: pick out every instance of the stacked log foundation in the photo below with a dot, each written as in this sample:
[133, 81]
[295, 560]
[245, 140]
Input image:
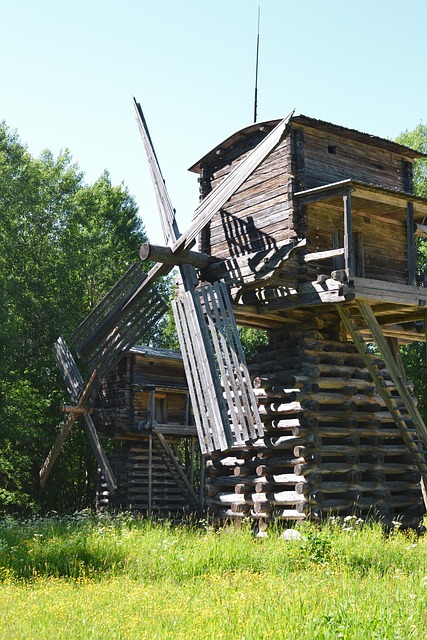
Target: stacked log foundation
[330, 445]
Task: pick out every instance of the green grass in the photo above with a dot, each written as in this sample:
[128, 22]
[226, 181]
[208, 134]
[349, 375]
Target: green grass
[124, 577]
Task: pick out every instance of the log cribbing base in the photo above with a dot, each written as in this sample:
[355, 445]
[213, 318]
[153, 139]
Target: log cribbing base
[331, 446]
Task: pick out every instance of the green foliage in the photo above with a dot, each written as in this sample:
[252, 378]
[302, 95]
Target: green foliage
[87, 545]
[167, 337]
[63, 244]
[414, 355]
[252, 339]
[417, 139]
[414, 358]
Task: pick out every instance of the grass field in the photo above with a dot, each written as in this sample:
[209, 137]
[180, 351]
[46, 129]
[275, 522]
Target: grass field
[123, 577]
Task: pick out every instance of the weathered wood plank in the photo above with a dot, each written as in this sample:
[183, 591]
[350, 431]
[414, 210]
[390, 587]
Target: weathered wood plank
[323, 255]
[410, 245]
[219, 196]
[201, 392]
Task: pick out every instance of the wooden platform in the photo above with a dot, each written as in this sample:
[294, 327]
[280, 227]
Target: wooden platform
[400, 309]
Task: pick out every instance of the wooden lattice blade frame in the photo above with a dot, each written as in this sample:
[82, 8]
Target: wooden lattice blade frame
[80, 393]
[223, 401]
[121, 317]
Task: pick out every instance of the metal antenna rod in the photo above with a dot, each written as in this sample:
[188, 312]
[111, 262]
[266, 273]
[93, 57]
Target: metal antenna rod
[256, 69]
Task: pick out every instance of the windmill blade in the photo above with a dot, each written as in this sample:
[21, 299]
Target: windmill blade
[97, 448]
[110, 330]
[107, 310]
[68, 368]
[80, 393]
[55, 450]
[164, 205]
[114, 316]
[223, 401]
[66, 429]
[210, 412]
[231, 363]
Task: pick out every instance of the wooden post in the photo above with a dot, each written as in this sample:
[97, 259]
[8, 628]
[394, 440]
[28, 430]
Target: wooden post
[425, 333]
[192, 451]
[150, 472]
[349, 261]
[152, 408]
[393, 344]
[202, 484]
[410, 245]
[192, 439]
[151, 412]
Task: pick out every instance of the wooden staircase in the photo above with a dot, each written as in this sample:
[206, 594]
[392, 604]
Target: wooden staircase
[401, 404]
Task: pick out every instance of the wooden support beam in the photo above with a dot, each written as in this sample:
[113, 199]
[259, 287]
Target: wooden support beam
[420, 230]
[165, 255]
[389, 361]
[56, 448]
[178, 468]
[411, 256]
[66, 429]
[323, 255]
[321, 193]
[150, 473]
[67, 408]
[349, 260]
[393, 344]
[100, 454]
[396, 375]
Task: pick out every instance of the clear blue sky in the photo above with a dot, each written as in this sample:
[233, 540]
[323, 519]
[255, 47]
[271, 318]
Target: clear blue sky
[69, 70]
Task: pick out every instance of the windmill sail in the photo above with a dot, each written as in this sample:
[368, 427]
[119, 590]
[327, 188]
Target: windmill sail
[223, 401]
[80, 393]
[112, 328]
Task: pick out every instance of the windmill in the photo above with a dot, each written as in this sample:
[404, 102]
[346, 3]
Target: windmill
[223, 401]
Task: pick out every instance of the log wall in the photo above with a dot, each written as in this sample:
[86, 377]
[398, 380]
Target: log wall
[124, 401]
[330, 445]
[258, 217]
[330, 158]
[383, 242]
[262, 215]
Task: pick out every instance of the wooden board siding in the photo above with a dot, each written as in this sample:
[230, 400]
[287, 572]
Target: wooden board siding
[125, 394]
[158, 374]
[351, 159]
[173, 407]
[384, 242]
[259, 215]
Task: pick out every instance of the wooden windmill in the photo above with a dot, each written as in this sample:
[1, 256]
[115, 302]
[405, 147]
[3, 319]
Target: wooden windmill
[223, 401]
[306, 230]
[318, 248]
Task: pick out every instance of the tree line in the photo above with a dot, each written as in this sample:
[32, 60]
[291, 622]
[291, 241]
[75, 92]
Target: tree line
[63, 244]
